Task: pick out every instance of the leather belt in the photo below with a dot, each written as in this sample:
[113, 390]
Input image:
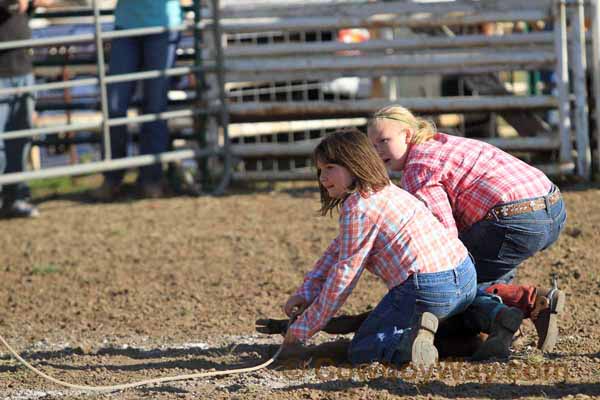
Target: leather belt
[522, 207]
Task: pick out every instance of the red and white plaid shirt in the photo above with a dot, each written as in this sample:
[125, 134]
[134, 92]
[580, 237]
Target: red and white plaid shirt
[460, 179]
[391, 234]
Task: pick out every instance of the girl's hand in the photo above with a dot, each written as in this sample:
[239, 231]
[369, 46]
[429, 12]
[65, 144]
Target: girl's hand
[294, 306]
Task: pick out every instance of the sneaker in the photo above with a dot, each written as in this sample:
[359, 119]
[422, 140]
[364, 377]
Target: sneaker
[106, 192]
[19, 209]
[500, 339]
[549, 304]
[423, 351]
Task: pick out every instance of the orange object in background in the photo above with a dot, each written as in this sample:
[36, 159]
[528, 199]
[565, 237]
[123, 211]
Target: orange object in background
[353, 35]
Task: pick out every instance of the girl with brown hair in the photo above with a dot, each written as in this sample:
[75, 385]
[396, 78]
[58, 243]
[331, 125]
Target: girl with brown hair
[388, 232]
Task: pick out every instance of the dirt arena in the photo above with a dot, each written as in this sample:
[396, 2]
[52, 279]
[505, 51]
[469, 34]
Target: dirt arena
[102, 294]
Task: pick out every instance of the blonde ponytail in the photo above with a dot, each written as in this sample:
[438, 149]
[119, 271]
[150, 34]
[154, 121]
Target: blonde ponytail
[423, 130]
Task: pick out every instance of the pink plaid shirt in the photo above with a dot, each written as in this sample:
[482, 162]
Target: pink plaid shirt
[460, 179]
[392, 235]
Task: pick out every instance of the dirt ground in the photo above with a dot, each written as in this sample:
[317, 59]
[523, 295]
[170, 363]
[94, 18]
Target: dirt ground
[102, 294]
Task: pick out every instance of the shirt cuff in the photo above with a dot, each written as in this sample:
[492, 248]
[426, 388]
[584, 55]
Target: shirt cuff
[299, 331]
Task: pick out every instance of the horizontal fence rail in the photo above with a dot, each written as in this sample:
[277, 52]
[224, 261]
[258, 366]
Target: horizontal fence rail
[357, 108]
[97, 125]
[107, 165]
[308, 174]
[532, 40]
[306, 147]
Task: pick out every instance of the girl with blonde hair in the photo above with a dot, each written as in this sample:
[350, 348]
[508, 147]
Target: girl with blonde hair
[501, 208]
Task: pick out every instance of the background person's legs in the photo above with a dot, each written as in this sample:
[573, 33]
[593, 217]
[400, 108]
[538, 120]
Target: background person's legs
[158, 54]
[124, 58]
[16, 113]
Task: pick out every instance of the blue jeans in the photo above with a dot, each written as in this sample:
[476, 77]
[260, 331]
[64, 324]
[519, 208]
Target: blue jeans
[499, 247]
[133, 54]
[15, 114]
[443, 294]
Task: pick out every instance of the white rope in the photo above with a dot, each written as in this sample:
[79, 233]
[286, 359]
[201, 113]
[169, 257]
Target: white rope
[113, 388]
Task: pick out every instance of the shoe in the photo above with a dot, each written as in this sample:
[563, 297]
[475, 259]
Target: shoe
[500, 339]
[549, 304]
[106, 192]
[19, 209]
[151, 190]
[423, 351]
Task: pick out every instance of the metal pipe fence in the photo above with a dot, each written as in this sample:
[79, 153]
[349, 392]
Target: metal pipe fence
[459, 54]
[274, 64]
[101, 82]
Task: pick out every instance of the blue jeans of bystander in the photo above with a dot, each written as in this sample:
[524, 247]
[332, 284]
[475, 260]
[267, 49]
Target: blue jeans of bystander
[132, 54]
[16, 113]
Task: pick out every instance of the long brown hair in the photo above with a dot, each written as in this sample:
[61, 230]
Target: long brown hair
[351, 149]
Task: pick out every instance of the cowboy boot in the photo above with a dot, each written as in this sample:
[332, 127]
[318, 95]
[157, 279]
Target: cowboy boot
[549, 304]
[542, 306]
[498, 343]
[423, 353]
[519, 296]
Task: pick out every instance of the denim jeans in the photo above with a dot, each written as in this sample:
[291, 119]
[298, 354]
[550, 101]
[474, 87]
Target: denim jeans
[16, 113]
[500, 246]
[443, 294]
[133, 54]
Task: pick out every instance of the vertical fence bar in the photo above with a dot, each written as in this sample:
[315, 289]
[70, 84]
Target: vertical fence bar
[578, 54]
[223, 109]
[596, 76]
[102, 81]
[200, 92]
[562, 80]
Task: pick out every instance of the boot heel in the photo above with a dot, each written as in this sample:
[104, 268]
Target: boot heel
[429, 322]
[560, 300]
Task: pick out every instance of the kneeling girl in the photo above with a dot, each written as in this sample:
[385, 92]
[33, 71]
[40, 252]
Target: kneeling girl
[390, 233]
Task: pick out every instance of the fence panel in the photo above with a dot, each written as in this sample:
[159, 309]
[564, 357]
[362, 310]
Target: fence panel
[311, 64]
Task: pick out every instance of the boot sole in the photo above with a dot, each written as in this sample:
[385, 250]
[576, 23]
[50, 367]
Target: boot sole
[424, 354]
[552, 331]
